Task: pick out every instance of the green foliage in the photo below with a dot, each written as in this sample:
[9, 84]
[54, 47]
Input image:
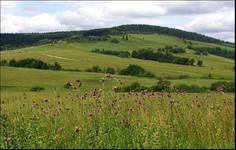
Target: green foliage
[56, 66]
[225, 86]
[16, 40]
[148, 54]
[94, 69]
[213, 50]
[114, 40]
[162, 85]
[136, 70]
[36, 88]
[34, 63]
[199, 62]
[110, 70]
[190, 88]
[134, 87]
[4, 63]
[112, 52]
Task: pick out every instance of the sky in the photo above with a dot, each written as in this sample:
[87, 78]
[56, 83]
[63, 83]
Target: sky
[211, 18]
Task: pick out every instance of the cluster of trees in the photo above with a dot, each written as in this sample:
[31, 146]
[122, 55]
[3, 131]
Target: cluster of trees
[98, 69]
[125, 37]
[136, 70]
[213, 50]
[172, 49]
[227, 86]
[31, 63]
[167, 57]
[132, 70]
[112, 52]
[164, 85]
[162, 55]
[115, 40]
[16, 40]
[150, 29]
[190, 88]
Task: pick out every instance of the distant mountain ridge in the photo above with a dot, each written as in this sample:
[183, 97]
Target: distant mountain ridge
[14, 40]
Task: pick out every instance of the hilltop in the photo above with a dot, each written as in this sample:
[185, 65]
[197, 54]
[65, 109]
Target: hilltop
[15, 40]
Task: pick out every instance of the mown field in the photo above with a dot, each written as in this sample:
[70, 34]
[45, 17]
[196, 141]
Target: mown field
[87, 118]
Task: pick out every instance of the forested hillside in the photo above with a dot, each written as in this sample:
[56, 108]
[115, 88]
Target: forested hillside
[16, 40]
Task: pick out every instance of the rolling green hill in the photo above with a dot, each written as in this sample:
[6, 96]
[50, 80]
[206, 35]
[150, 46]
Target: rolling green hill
[76, 54]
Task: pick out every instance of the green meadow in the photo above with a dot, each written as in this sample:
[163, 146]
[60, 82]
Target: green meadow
[87, 118]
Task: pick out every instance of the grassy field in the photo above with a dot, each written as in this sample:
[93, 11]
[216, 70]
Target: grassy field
[23, 79]
[109, 120]
[85, 118]
[78, 56]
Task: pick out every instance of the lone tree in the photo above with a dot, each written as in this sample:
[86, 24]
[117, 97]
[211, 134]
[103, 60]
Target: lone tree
[126, 38]
[199, 62]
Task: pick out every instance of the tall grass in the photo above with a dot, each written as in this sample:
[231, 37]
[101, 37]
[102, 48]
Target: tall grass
[107, 120]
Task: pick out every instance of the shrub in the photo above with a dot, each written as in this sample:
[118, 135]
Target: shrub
[94, 69]
[199, 62]
[34, 63]
[227, 86]
[114, 40]
[112, 52]
[56, 66]
[190, 88]
[162, 85]
[13, 63]
[148, 54]
[218, 51]
[3, 63]
[110, 70]
[36, 88]
[136, 70]
[135, 87]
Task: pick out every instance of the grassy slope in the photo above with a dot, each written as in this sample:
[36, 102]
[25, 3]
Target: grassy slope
[22, 79]
[82, 59]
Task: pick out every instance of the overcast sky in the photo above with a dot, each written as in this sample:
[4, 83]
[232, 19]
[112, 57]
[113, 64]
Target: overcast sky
[214, 19]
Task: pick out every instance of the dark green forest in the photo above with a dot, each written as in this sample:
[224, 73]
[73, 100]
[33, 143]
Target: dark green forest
[16, 40]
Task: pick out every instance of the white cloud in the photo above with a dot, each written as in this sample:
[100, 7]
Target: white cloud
[39, 23]
[215, 22]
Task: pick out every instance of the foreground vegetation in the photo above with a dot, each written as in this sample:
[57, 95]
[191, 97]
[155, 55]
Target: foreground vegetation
[107, 120]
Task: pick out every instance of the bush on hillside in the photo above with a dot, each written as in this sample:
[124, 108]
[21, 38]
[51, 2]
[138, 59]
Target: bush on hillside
[36, 88]
[226, 86]
[34, 63]
[134, 87]
[3, 63]
[114, 40]
[190, 88]
[112, 52]
[110, 70]
[162, 85]
[94, 69]
[136, 70]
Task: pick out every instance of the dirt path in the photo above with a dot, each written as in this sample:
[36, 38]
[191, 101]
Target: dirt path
[58, 57]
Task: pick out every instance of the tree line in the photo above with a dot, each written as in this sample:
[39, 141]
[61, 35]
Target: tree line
[16, 40]
[164, 85]
[31, 63]
[218, 51]
[132, 70]
[161, 55]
